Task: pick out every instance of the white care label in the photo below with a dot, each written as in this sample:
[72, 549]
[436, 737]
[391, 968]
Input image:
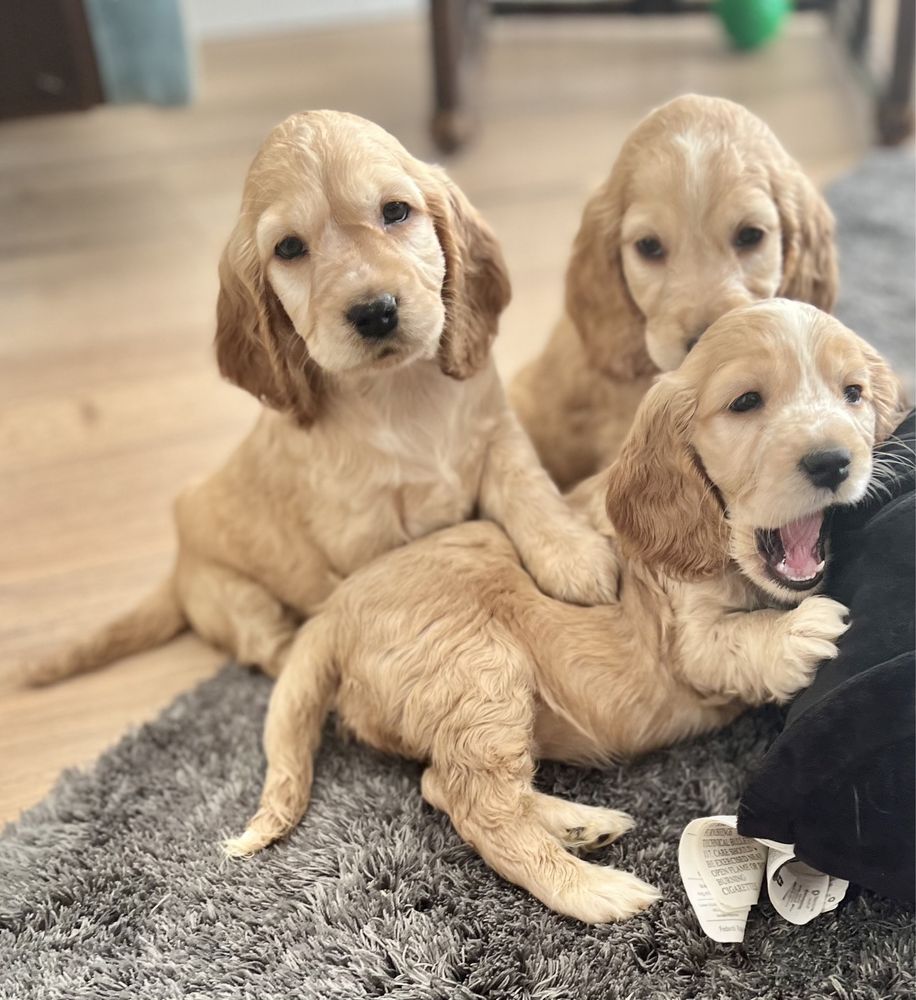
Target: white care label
[723, 873]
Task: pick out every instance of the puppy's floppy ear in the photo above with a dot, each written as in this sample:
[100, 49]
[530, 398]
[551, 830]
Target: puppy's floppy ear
[597, 298]
[886, 393]
[663, 507]
[476, 288]
[257, 347]
[809, 263]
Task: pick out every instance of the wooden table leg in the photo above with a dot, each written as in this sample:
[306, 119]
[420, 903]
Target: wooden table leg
[457, 29]
[895, 104]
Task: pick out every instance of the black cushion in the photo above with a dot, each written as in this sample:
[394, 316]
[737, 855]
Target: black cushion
[840, 780]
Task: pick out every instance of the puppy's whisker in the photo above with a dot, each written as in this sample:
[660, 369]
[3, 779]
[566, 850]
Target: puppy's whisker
[899, 441]
[892, 462]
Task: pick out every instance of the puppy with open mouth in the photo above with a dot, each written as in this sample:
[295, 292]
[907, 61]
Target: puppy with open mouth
[790, 446]
[794, 554]
[445, 651]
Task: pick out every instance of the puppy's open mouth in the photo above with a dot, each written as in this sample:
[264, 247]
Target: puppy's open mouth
[794, 554]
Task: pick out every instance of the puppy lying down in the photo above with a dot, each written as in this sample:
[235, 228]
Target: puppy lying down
[445, 650]
[359, 295]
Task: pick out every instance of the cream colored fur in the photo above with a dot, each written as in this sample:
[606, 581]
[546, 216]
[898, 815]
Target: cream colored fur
[692, 175]
[445, 650]
[363, 444]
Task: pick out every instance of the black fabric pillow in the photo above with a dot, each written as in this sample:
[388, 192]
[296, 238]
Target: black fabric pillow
[840, 781]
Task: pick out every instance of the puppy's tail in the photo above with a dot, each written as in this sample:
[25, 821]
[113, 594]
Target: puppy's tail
[298, 707]
[155, 620]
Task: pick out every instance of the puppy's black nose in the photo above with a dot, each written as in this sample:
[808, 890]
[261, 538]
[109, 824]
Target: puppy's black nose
[827, 469]
[376, 319]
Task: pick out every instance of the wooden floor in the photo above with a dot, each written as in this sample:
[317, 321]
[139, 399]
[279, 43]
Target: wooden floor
[113, 221]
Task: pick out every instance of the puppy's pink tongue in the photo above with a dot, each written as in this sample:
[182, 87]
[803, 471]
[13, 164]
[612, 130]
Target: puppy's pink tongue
[799, 541]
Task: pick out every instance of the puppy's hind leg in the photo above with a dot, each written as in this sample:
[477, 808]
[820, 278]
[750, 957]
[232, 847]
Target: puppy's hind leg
[588, 828]
[298, 706]
[237, 614]
[494, 814]
[481, 774]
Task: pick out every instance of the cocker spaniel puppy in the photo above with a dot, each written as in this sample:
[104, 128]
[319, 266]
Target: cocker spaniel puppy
[359, 294]
[703, 211]
[446, 651]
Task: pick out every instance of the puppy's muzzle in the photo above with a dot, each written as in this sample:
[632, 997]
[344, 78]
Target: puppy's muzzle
[375, 320]
[827, 469]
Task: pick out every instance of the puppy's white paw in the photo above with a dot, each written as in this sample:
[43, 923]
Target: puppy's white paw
[812, 630]
[587, 828]
[598, 828]
[605, 895]
[580, 567]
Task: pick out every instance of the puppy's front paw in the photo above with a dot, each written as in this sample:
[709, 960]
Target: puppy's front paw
[581, 568]
[812, 631]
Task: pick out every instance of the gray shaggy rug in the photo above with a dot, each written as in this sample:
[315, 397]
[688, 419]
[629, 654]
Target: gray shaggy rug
[875, 206]
[114, 886]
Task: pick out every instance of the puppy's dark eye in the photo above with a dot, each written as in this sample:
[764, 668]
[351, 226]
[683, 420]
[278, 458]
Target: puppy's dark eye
[650, 247]
[395, 211]
[749, 236]
[290, 247]
[853, 393]
[746, 401]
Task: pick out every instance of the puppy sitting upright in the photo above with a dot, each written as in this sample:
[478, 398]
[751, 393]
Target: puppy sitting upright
[359, 294]
[703, 211]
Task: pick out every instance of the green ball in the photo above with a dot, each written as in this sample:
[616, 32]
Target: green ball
[751, 23]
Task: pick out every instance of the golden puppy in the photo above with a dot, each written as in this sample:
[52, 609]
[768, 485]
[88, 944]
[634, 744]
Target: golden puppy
[446, 652]
[703, 211]
[359, 294]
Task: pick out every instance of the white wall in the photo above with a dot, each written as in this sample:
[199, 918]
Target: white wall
[224, 18]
